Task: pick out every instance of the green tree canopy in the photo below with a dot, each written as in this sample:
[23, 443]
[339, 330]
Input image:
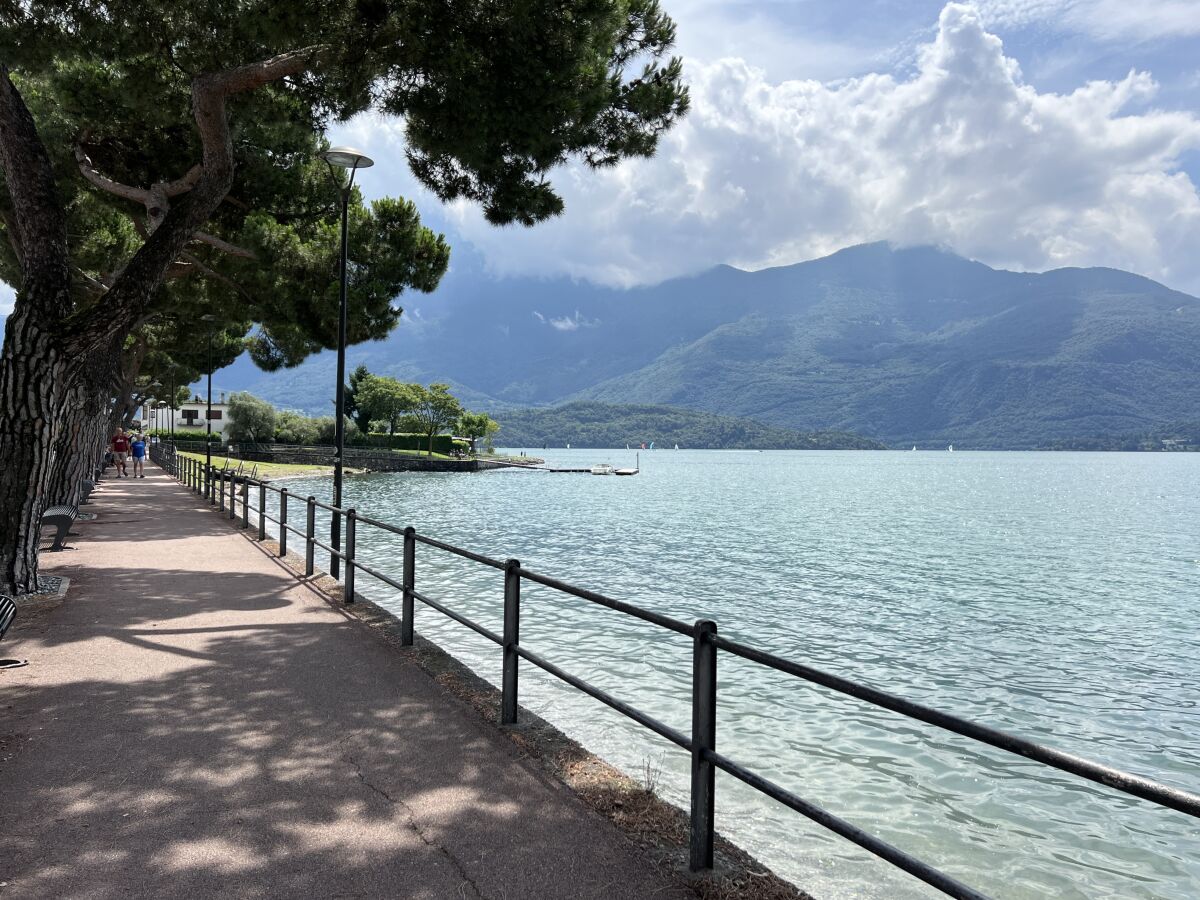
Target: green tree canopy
[361, 417]
[436, 410]
[251, 419]
[386, 399]
[476, 425]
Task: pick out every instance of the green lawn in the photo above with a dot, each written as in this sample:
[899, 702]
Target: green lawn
[266, 469]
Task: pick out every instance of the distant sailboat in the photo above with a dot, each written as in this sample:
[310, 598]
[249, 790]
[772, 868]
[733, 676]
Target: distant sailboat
[951, 448]
[676, 446]
[913, 449]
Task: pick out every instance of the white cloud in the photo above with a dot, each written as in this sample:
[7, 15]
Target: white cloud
[567, 323]
[1109, 20]
[7, 297]
[961, 153]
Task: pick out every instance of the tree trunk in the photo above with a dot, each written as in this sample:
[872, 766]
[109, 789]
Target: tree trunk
[33, 373]
[86, 423]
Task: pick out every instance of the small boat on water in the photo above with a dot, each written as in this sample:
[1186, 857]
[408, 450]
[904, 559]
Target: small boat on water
[603, 469]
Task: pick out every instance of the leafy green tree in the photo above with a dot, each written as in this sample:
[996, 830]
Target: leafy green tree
[294, 428]
[327, 433]
[362, 418]
[251, 419]
[156, 150]
[436, 410]
[387, 399]
[477, 425]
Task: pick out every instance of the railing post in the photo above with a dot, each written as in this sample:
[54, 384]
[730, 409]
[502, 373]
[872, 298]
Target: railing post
[512, 639]
[312, 527]
[704, 737]
[410, 570]
[283, 523]
[221, 491]
[262, 510]
[233, 480]
[245, 503]
[351, 521]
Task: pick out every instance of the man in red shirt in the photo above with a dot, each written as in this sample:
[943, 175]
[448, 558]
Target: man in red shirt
[120, 449]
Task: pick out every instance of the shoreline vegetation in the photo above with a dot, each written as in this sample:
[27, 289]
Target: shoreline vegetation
[273, 471]
[598, 426]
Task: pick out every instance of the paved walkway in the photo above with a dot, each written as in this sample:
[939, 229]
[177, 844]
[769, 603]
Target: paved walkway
[195, 723]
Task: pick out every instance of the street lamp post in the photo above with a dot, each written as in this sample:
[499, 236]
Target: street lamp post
[208, 415]
[171, 412]
[148, 404]
[342, 158]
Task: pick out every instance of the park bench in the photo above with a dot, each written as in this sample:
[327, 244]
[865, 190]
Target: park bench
[61, 518]
[8, 612]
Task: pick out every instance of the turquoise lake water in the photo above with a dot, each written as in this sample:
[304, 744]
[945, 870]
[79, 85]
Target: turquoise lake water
[1055, 595]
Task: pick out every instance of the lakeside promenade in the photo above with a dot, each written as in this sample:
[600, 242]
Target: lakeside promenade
[195, 722]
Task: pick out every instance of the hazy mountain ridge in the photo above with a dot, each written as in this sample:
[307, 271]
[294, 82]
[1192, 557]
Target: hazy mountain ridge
[907, 345]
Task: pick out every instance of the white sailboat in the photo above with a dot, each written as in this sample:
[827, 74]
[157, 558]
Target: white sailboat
[950, 448]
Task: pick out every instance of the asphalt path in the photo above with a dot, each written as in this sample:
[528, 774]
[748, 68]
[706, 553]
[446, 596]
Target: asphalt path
[194, 722]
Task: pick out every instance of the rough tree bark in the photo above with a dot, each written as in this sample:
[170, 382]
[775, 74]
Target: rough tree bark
[33, 362]
[85, 426]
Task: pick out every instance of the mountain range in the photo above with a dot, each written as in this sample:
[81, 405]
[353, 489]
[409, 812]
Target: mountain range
[907, 345]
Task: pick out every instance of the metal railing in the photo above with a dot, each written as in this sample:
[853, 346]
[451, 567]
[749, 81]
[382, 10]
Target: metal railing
[221, 489]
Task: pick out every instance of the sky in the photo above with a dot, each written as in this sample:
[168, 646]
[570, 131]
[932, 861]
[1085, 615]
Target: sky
[1027, 134]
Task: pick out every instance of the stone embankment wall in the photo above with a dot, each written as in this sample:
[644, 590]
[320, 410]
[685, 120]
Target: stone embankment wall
[356, 458]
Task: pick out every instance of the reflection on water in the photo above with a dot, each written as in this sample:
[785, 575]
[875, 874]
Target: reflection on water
[1054, 595]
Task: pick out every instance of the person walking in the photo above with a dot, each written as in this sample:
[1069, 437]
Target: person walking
[120, 449]
[137, 447]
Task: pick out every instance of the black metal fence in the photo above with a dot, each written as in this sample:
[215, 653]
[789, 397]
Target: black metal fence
[225, 490]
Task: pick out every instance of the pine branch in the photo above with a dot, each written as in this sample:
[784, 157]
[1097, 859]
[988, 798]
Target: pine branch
[137, 284]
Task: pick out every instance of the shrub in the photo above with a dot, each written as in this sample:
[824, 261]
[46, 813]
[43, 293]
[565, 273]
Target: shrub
[442, 443]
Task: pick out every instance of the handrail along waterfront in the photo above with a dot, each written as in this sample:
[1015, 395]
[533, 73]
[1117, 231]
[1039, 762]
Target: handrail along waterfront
[707, 644]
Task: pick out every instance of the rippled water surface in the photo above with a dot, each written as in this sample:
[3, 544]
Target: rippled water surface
[1053, 595]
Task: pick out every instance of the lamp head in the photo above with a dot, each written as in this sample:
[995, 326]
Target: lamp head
[347, 158]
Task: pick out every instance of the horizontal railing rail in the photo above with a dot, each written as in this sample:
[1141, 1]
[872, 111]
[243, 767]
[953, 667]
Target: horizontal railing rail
[212, 483]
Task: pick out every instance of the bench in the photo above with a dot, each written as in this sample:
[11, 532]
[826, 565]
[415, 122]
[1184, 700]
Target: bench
[8, 612]
[61, 518]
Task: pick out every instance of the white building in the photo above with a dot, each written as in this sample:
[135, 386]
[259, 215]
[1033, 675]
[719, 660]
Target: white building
[190, 415]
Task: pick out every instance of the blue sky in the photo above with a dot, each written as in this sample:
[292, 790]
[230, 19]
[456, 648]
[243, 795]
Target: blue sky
[1028, 134]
